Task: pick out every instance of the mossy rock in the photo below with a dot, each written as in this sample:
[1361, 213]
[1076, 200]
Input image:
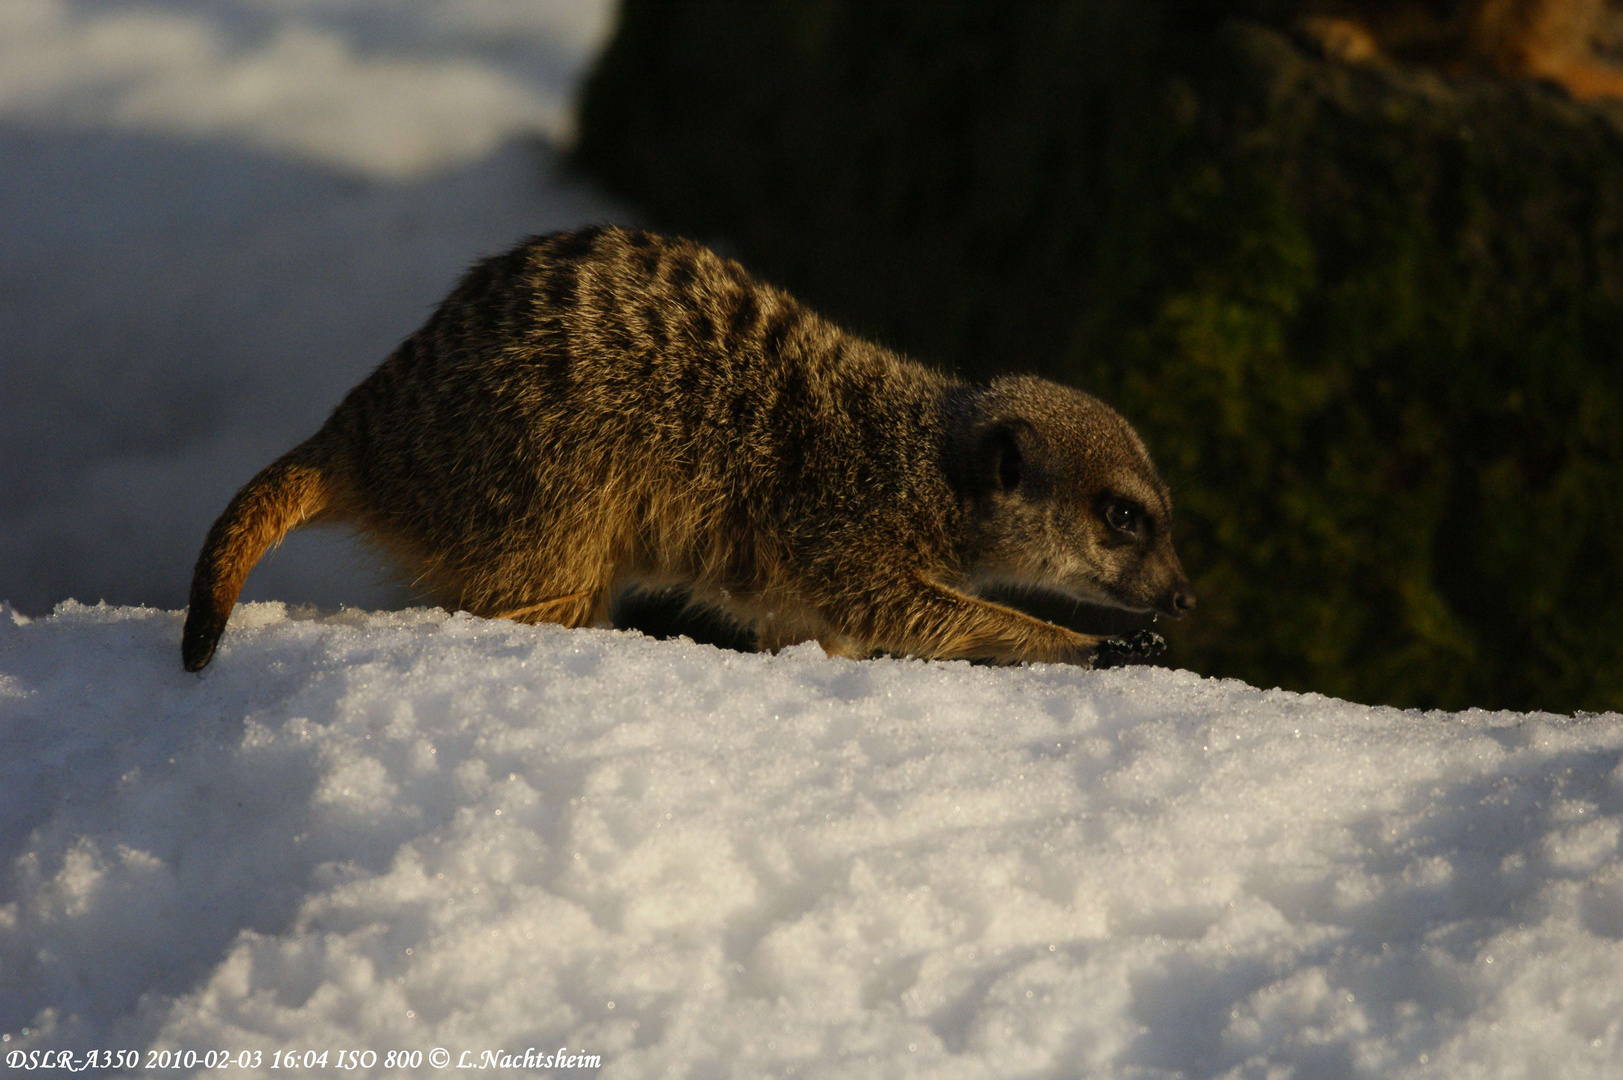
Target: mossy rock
[1370, 322]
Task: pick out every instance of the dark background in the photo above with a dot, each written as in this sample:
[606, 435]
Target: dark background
[1368, 317]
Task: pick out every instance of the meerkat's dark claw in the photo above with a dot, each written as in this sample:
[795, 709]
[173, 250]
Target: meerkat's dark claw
[1139, 647]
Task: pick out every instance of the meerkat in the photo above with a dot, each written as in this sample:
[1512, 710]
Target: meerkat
[607, 408]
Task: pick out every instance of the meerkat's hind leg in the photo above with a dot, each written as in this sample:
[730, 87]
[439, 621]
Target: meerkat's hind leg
[582, 607]
[544, 610]
[541, 587]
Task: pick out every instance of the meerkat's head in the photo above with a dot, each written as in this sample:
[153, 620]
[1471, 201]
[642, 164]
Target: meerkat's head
[1061, 495]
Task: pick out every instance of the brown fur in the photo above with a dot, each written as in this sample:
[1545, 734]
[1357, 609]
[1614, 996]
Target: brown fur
[606, 408]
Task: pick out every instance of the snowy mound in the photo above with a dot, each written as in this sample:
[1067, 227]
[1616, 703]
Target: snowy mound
[418, 831]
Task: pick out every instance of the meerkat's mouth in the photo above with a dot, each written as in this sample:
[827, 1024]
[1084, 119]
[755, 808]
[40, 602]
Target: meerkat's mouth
[1099, 616]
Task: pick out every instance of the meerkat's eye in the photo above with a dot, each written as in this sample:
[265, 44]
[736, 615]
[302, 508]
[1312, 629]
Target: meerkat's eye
[1122, 516]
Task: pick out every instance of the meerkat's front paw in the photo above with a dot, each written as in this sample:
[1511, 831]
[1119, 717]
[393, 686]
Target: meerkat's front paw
[1139, 647]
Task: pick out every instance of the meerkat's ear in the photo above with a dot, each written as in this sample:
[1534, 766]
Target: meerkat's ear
[1000, 450]
[1002, 460]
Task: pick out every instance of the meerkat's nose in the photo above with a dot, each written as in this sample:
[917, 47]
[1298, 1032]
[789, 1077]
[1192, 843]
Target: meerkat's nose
[1178, 602]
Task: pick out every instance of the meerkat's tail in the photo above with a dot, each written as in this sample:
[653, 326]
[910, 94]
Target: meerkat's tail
[287, 493]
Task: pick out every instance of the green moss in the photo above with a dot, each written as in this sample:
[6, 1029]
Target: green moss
[1370, 323]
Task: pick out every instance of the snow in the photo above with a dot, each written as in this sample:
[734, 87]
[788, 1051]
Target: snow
[413, 830]
[410, 831]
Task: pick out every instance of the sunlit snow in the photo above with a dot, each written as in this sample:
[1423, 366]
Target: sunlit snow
[416, 830]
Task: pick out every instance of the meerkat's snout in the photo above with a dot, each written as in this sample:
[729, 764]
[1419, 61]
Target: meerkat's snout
[1177, 599]
[1135, 567]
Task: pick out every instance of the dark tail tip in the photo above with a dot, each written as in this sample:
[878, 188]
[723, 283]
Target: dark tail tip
[197, 641]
